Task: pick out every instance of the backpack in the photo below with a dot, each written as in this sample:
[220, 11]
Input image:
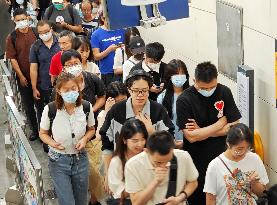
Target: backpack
[52, 114]
[70, 10]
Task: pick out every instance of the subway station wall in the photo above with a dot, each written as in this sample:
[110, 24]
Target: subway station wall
[194, 40]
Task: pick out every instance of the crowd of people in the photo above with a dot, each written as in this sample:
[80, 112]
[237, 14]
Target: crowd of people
[121, 126]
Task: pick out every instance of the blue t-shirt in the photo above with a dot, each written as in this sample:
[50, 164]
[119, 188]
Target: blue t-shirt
[102, 39]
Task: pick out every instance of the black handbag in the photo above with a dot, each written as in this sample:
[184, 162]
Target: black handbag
[120, 201]
[259, 201]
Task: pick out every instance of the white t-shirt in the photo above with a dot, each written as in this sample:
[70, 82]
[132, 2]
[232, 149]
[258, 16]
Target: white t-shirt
[64, 125]
[128, 65]
[139, 172]
[120, 57]
[93, 68]
[115, 177]
[220, 182]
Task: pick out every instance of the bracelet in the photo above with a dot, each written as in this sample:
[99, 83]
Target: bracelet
[186, 195]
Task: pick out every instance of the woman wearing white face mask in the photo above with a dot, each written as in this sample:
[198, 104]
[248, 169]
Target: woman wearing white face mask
[30, 8]
[177, 80]
[68, 162]
[238, 175]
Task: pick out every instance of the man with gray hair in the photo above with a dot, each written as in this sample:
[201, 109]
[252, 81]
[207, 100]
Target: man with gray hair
[65, 40]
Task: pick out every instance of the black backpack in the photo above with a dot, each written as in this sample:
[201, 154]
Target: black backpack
[52, 114]
[70, 10]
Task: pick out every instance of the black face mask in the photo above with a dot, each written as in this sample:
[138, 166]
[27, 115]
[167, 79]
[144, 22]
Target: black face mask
[139, 56]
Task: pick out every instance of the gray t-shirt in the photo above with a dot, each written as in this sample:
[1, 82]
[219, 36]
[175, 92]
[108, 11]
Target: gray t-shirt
[64, 15]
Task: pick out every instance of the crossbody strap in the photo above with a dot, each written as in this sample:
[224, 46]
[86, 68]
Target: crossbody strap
[172, 183]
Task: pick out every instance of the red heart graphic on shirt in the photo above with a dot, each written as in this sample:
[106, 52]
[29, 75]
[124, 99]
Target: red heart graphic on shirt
[219, 105]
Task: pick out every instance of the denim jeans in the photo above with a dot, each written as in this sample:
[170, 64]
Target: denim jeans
[70, 177]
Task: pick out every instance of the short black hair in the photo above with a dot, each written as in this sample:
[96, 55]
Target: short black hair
[161, 142]
[205, 72]
[155, 51]
[67, 55]
[137, 74]
[43, 22]
[20, 11]
[115, 89]
[239, 133]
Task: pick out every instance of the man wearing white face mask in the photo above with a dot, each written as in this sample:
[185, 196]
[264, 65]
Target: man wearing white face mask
[153, 64]
[40, 57]
[205, 112]
[18, 46]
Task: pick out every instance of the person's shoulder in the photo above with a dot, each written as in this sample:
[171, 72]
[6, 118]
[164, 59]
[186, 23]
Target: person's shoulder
[186, 94]
[138, 66]
[156, 105]
[137, 160]
[223, 88]
[119, 106]
[116, 160]
[251, 156]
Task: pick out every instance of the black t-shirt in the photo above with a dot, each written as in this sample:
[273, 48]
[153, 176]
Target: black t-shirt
[94, 86]
[158, 78]
[206, 111]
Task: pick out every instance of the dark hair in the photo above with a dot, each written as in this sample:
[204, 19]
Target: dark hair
[161, 142]
[14, 6]
[155, 51]
[67, 33]
[115, 89]
[141, 74]
[238, 133]
[205, 72]
[173, 68]
[43, 22]
[83, 43]
[132, 31]
[19, 11]
[139, 56]
[272, 195]
[63, 78]
[67, 55]
[131, 127]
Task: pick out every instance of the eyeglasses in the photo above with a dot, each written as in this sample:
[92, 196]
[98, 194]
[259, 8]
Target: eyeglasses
[142, 91]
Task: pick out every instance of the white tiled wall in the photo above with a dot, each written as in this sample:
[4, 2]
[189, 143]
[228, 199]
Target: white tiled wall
[195, 40]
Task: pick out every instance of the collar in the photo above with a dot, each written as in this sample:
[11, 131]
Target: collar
[130, 112]
[147, 69]
[147, 163]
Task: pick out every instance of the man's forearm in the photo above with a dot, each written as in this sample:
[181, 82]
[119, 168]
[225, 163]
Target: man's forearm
[205, 132]
[100, 55]
[16, 68]
[142, 197]
[34, 75]
[225, 129]
[100, 102]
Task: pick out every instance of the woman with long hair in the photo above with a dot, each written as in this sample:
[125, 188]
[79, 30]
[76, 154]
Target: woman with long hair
[176, 81]
[131, 141]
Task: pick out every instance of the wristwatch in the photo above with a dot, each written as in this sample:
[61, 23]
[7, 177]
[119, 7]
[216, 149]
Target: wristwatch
[186, 195]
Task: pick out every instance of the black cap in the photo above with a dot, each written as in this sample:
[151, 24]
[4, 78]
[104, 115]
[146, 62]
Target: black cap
[138, 72]
[137, 45]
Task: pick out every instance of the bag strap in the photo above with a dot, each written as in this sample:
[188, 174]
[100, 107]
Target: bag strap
[51, 114]
[13, 37]
[50, 11]
[86, 108]
[172, 183]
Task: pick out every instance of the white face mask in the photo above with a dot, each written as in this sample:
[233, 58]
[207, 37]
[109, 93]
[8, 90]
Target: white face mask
[21, 24]
[75, 70]
[20, 2]
[154, 66]
[46, 36]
